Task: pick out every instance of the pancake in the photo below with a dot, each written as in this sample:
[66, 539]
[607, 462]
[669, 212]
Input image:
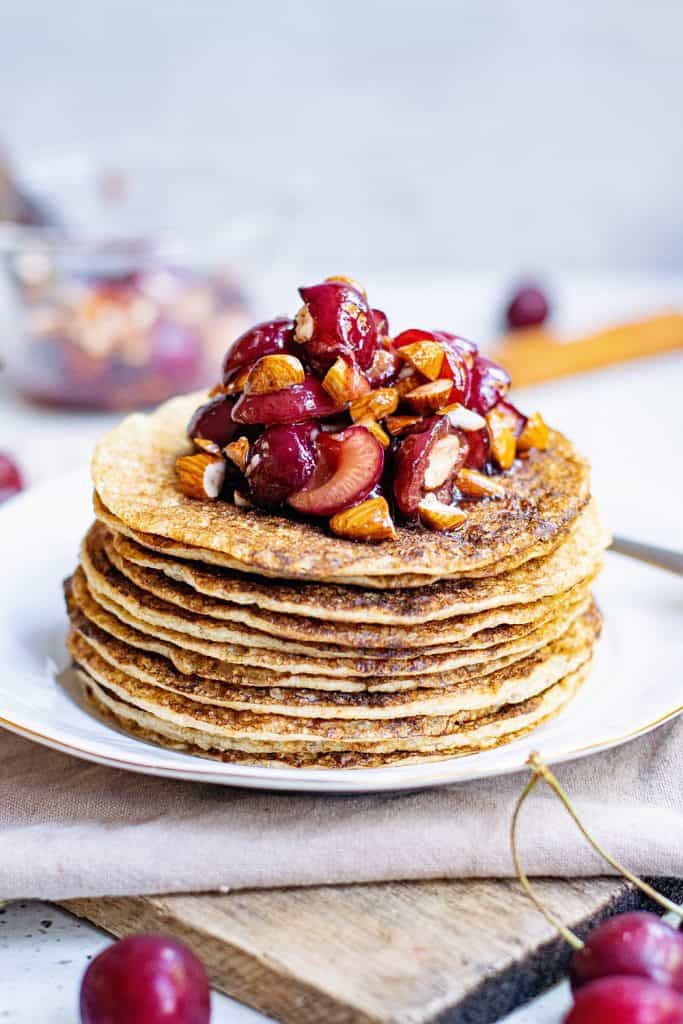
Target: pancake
[504, 728]
[133, 474]
[92, 647]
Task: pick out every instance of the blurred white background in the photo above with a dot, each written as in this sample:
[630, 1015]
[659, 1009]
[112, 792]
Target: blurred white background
[500, 135]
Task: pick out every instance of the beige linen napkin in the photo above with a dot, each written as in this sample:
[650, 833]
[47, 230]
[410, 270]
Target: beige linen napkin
[69, 828]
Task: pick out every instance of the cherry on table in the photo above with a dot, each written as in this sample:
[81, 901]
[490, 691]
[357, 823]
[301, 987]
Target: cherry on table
[528, 307]
[289, 405]
[348, 466]
[145, 979]
[638, 943]
[11, 480]
[625, 999]
[281, 462]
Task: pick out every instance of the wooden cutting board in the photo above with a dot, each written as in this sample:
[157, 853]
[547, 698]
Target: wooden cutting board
[405, 953]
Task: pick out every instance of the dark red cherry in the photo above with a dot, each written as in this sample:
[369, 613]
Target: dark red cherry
[337, 322]
[478, 449]
[528, 307]
[625, 1000]
[462, 345]
[455, 367]
[412, 336]
[638, 943]
[381, 322]
[489, 383]
[425, 460]
[349, 466]
[214, 421]
[145, 979]
[514, 418]
[11, 481]
[281, 462]
[295, 404]
[263, 340]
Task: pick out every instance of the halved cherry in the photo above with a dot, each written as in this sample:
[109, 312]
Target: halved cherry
[349, 466]
[513, 417]
[281, 462]
[290, 405]
[479, 448]
[263, 340]
[427, 460]
[213, 421]
[336, 321]
[490, 383]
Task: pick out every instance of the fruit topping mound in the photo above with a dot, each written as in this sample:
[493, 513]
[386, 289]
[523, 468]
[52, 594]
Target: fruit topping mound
[328, 415]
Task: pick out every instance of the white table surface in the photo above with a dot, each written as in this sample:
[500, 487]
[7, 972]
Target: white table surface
[629, 420]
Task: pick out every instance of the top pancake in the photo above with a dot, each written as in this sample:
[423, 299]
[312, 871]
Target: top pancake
[133, 473]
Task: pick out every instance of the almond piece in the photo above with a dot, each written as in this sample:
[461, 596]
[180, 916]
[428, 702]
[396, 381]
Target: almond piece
[441, 463]
[399, 424]
[242, 500]
[343, 279]
[204, 445]
[462, 417]
[438, 516]
[237, 384]
[219, 389]
[377, 404]
[371, 520]
[503, 441]
[535, 434]
[407, 381]
[201, 475]
[375, 429]
[237, 451]
[274, 373]
[424, 356]
[344, 382]
[303, 330]
[477, 485]
[428, 397]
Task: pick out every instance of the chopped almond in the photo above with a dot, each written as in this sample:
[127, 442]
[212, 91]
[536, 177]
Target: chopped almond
[218, 389]
[535, 434]
[429, 397]
[375, 429]
[201, 475]
[237, 451]
[477, 485]
[378, 403]
[399, 424]
[371, 520]
[424, 356]
[503, 441]
[439, 516]
[344, 382]
[205, 445]
[274, 373]
[462, 417]
[242, 500]
[237, 384]
[441, 462]
[408, 380]
[343, 279]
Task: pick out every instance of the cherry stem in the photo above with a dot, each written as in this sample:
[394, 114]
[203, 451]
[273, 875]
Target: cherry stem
[541, 770]
[567, 934]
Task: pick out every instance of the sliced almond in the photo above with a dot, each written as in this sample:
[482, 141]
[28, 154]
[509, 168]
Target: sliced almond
[535, 434]
[375, 429]
[477, 485]
[238, 383]
[428, 397]
[303, 330]
[462, 417]
[343, 279]
[503, 441]
[204, 445]
[344, 382]
[201, 475]
[237, 451]
[273, 373]
[378, 403]
[399, 424]
[371, 520]
[407, 381]
[439, 516]
[242, 500]
[219, 389]
[424, 356]
[441, 462]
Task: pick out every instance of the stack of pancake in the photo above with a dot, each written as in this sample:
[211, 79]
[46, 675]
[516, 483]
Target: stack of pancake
[257, 639]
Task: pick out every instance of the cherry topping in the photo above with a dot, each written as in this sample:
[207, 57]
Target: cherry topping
[528, 308]
[281, 462]
[513, 417]
[213, 421]
[454, 341]
[381, 322]
[349, 466]
[479, 447]
[145, 979]
[455, 368]
[11, 481]
[290, 405]
[425, 460]
[413, 336]
[638, 943]
[489, 384]
[336, 321]
[625, 1000]
[265, 339]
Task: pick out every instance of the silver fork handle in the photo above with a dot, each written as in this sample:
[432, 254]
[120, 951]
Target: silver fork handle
[664, 558]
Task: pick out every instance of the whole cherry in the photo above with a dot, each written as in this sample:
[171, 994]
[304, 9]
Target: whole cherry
[334, 321]
[528, 307]
[264, 339]
[145, 979]
[625, 999]
[281, 462]
[637, 943]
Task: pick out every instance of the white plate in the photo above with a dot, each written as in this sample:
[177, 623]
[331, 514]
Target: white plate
[634, 686]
